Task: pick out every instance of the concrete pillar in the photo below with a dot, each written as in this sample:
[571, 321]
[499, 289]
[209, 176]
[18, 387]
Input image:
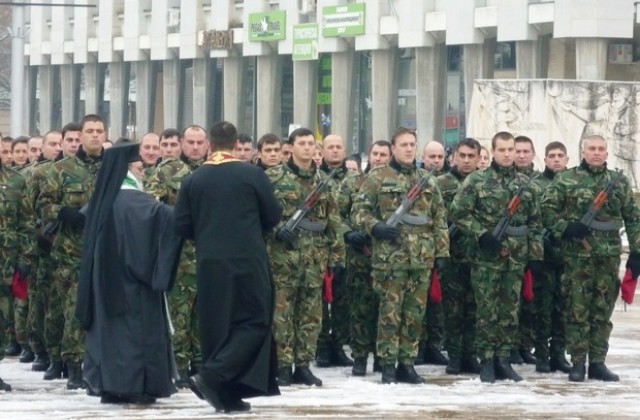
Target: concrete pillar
[118, 98]
[93, 87]
[30, 82]
[69, 85]
[233, 87]
[145, 96]
[46, 88]
[528, 60]
[431, 66]
[203, 89]
[384, 92]
[343, 96]
[305, 89]
[268, 86]
[172, 89]
[591, 58]
[473, 68]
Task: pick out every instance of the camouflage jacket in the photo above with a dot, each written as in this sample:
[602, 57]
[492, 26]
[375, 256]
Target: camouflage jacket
[70, 182]
[380, 196]
[17, 234]
[551, 243]
[449, 185]
[569, 196]
[341, 199]
[480, 205]
[292, 185]
[349, 188]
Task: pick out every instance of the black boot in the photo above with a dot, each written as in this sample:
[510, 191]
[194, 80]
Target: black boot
[389, 374]
[303, 375]
[339, 358]
[236, 405]
[13, 349]
[559, 363]
[454, 367]
[487, 371]
[54, 371]
[26, 356]
[75, 376]
[359, 366]
[182, 381]
[515, 358]
[527, 357]
[377, 367]
[542, 365]
[4, 386]
[408, 375]
[601, 372]
[213, 396]
[323, 358]
[577, 372]
[40, 362]
[433, 356]
[284, 376]
[469, 365]
[504, 370]
[422, 350]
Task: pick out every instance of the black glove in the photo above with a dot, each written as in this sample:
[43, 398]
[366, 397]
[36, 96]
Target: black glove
[286, 235]
[441, 264]
[576, 230]
[337, 270]
[633, 263]
[356, 239]
[489, 243]
[72, 217]
[23, 270]
[383, 231]
[536, 267]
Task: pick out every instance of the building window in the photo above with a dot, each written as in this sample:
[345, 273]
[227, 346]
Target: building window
[505, 56]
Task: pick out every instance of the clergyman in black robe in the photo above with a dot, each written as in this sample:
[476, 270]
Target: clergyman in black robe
[129, 260]
[226, 206]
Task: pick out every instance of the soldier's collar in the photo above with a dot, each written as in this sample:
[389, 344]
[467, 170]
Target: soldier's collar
[304, 173]
[192, 164]
[455, 172]
[527, 170]
[85, 157]
[593, 169]
[548, 173]
[504, 170]
[342, 169]
[403, 169]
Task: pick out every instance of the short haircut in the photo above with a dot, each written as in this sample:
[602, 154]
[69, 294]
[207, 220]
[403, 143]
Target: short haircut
[555, 145]
[168, 133]
[470, 143]
[356, 157]
[91, 118]
[7, 139]
[525, 139]
[591, 137]
[72, 126]
[19, 140]
[194, 127]
[381, 143]
[502, 135]
[49, 133]
[223, 135]
[268, 138]
[244, 138]
[300, 132]
[400, 131]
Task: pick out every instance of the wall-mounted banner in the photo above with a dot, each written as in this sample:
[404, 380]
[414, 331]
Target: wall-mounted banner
[345, 20]
[269, 26]
[305, 42]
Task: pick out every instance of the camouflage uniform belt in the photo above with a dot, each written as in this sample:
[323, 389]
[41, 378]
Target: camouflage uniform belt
[517, 230]
[603, 226]
[414, 220]
[311, 226]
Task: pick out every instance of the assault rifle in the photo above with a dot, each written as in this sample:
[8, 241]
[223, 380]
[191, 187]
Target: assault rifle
[504, 225]
[400, 215]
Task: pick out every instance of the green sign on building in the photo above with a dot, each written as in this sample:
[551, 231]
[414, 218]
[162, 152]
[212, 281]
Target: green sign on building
[305, 42]
[269, 26]
[345, 20]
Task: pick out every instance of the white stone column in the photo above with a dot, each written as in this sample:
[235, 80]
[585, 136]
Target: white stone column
[384, 92]
[305, 89]
[342, 95]
[93, 80]
[233, 77]
[268, 86]
[30, 81]
[203, 88]
[431, 74]
[591, 58]
[172, 91]
[69, 84]
[472, 69]
[528, 60]
[46, 89]
[118, 98]
[145, 96]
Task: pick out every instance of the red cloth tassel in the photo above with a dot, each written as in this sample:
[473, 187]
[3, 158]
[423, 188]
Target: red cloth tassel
[327, 294]
[435, 293]
[527, 286]
[20, 287]
[628, 287]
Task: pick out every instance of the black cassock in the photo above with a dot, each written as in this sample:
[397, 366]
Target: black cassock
[128, 344]
[226, 208]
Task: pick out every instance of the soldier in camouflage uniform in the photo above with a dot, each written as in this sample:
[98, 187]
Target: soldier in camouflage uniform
[591, 253]
[458, 300]
[335, 317]
[68, 187]
[164, 185]
[548, 298]
[403, 255]
[363, 299]
[299, 259]
[499, 267]
[17, 252]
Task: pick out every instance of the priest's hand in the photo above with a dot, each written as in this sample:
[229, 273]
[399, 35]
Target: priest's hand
[73, 217]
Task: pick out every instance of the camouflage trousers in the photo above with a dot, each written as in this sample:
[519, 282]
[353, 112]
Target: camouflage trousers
[298, 314]
[334, 332]
[524, 339]
[66, 344]
[459, 310]
[592, 286]
[364, 314]
[549, 301]
[6, 297]
[182, 308]
[433, 325]
[39, 291]
[20, 315]
[402, 298]
[497, 293]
